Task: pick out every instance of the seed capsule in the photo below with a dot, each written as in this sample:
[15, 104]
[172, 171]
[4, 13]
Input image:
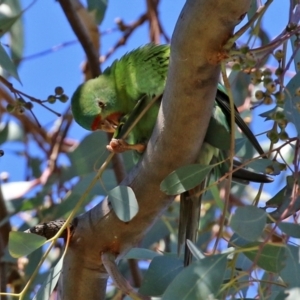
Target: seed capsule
[59, 90]
[259, 95]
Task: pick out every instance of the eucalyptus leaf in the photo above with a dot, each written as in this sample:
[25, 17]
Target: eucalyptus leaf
[6, 22]
[88, 156]
[22, 244]
[140, 253]
[7, 64]
[248, 222]
[201, 280]
[98, 7]
[194, 250]
[260, 165]
[290, 274]
[3, 132]
[290, 229]
[295, 50]
[290, 108]
[50, 283]
[16, 32]
[282, 202]
[271, 258]
[184, 178]
[11, 131]
[161, 272]
[124, 203]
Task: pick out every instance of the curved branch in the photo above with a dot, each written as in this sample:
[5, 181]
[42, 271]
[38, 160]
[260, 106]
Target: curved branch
[83, 36]
[202, 29]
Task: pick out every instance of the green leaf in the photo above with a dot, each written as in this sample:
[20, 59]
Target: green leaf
[296, 53]
[11, 131]
[290, 229]
[248, 222]
[260, 165]
[271, 258]
[7, 64]
[124, 203]
[290, 109]
[282, 201]
[98, 7]
[3, 132]
[16, 32]
[200, 280]
[194, 250]
[218, 134]
[161, 272]
[21, 243]
[239, 144]
[88, 156]
[184, 179]
[49, 284]
[62, 209]
[238, 81]
[270, 291]
[6, 22]
[140, 253]
[252, 10]
[290, 274]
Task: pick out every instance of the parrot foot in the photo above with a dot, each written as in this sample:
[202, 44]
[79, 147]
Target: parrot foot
[119, 146]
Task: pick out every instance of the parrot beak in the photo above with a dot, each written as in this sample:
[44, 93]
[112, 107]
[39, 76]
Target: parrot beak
[104, 125]
[107, 126]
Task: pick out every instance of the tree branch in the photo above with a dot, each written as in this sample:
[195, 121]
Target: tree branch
[82, 34]
[202, 29]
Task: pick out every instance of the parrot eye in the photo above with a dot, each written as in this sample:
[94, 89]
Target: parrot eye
[101, 104]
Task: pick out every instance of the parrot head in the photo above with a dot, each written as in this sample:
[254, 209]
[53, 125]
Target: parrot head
[93, 105]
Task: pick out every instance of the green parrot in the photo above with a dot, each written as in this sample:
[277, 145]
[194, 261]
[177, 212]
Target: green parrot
[112, 100]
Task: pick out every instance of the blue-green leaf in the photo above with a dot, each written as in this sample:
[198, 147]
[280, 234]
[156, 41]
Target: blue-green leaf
[194, 250]
[290, 274]
[201, 280]
[124, 203]
[290, 108]
[260, 165]
[49, 284]
[6, 22]
[7, 64]
[248, 222]
[11, 131]
[98, 7]
[88, 156]
[290, 229]
[184, 179]
[161, 272]
[270, 258]
[141, 253]
[22, 243]
[16, 33]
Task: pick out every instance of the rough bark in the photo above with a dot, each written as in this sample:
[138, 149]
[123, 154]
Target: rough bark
[202, 29]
